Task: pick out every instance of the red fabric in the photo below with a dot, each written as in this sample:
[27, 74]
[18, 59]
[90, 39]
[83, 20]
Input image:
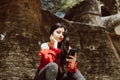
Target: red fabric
[72, 70]
[50, 55]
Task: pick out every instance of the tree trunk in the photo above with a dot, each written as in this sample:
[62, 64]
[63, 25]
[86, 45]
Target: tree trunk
[20, 22]
[24, 26]
[98, 58]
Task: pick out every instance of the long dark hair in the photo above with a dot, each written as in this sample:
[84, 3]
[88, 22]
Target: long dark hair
[64, 45]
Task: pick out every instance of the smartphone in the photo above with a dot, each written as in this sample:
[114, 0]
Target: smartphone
[71, 52]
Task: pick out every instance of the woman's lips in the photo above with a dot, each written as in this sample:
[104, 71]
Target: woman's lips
[60, 39]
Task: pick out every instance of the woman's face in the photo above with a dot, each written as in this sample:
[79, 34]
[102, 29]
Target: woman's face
[58, 34]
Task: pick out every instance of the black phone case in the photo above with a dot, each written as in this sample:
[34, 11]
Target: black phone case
[71, 52]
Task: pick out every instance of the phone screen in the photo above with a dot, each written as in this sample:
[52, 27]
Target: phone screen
[71, 52]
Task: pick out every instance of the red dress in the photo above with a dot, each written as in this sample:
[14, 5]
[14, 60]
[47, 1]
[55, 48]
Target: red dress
[50, 55]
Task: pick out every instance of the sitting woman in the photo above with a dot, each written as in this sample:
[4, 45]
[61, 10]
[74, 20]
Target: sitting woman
[54, 64]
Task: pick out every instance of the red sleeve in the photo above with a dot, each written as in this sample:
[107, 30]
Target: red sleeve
[49, 55]
[72, 70]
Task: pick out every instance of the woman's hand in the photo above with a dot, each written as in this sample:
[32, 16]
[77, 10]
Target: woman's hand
[53, 41]
[72, 60]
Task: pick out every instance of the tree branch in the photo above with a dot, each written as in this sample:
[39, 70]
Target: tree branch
[111, 22]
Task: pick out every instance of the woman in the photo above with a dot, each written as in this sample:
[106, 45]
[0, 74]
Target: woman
[54, 64]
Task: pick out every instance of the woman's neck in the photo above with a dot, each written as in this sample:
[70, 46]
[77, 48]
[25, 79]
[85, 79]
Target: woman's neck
[55, 45]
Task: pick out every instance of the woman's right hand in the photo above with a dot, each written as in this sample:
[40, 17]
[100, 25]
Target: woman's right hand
[53, 41]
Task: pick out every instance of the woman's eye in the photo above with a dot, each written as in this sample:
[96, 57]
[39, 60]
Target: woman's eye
[58, 32]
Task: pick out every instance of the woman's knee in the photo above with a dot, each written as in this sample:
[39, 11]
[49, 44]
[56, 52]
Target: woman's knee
[53, 67]
[78, 75]
[51, 71]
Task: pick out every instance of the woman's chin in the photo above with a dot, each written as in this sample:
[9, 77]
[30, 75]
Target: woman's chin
[59, 41]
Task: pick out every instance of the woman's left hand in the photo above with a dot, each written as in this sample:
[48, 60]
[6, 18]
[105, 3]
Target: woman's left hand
[72, 60]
